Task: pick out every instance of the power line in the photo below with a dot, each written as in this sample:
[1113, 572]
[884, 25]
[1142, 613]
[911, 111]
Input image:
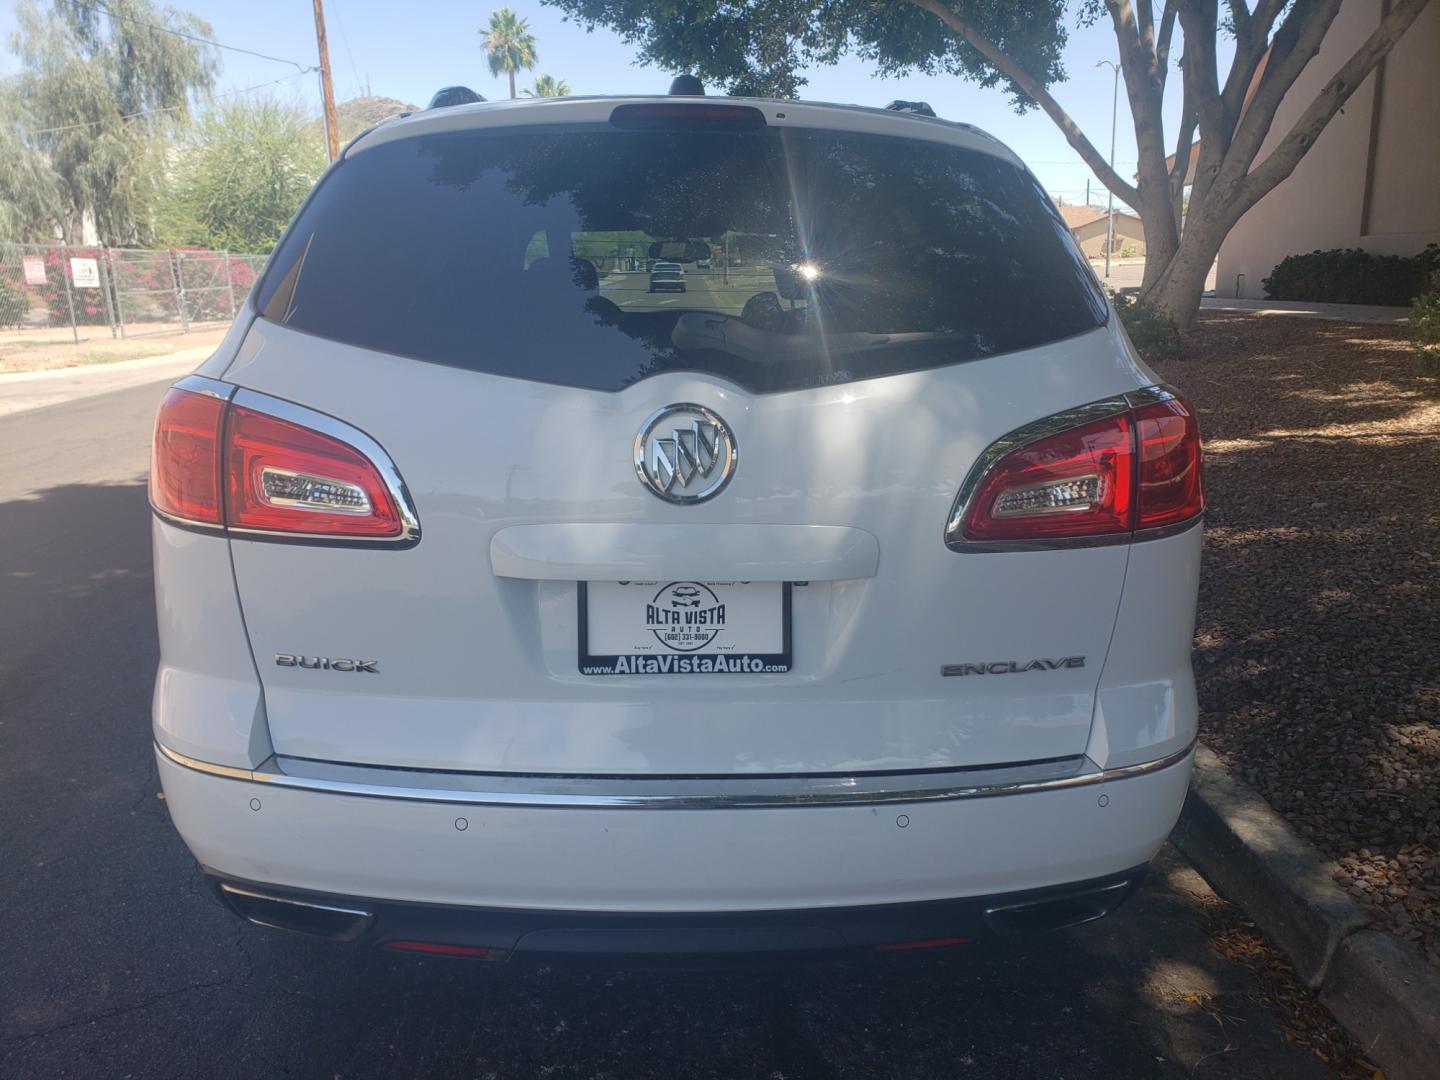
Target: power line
[189, 37]
[340, 18]
[161, 109]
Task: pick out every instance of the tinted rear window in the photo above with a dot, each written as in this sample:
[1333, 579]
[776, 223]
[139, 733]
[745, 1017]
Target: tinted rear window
[593, 257]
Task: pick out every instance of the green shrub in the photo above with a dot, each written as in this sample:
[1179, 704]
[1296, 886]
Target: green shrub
[14, 303]
[1352, 276]
[1152, 332]
[1425, 327]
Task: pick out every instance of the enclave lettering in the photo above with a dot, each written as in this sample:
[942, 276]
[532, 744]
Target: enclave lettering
[1012, 667]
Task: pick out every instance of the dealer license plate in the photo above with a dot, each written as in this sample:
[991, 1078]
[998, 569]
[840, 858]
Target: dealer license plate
[684, 627]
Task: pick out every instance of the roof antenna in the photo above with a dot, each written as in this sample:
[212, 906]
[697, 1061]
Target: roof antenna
[686, 86]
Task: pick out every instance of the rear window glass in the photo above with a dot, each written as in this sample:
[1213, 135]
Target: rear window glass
[593, 257]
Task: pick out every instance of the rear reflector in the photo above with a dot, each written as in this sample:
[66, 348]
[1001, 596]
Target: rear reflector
[1127, 474]
[689, 116]
[929, 943]
[281, 477]
[185, 458]
[435, 948]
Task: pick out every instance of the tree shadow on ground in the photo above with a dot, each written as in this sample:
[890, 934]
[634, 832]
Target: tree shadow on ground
[1318, 675]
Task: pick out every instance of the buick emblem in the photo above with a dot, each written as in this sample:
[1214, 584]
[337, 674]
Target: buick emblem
[685, 453]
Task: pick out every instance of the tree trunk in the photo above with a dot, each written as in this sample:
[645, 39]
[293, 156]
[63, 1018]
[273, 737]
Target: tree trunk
[511, 73]
[1179, 283]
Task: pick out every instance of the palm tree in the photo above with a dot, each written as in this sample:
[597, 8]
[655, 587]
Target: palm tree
[548, 86]
[509, 45]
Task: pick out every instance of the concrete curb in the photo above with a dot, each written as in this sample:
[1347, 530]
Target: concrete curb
[1381, 990]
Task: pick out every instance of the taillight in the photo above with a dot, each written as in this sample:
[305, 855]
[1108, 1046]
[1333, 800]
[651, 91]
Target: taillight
[1101, 481]
[185, 457]
[1077, 483]
[1172, 485]
[261, 467]
[282, 477]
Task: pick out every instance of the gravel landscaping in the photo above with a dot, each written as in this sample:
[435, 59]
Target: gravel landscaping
[1318, 636]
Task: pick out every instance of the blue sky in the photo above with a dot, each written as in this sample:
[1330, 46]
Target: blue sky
[405, 51]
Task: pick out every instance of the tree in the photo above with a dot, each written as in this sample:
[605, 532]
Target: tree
[93, 98]
[548, 86]
[509, 45]
[763, 46]
[238, 179]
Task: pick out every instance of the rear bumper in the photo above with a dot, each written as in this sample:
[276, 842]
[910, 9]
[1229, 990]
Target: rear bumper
[638, 860]
[498, 933]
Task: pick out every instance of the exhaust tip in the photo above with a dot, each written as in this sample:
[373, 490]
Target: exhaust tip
[301, 916]
[1058, 912]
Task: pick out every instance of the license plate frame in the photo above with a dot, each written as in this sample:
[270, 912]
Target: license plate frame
[700, 661]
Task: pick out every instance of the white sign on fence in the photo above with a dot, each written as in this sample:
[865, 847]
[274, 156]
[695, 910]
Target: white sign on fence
[85, 273]
[34, 267]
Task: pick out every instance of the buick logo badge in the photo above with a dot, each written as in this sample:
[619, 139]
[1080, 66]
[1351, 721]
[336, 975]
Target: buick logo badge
[685, 453]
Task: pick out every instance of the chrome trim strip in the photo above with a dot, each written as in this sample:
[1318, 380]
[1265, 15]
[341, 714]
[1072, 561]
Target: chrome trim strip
[188, 523]
[205, 766]
[203, 384]
[669, 793]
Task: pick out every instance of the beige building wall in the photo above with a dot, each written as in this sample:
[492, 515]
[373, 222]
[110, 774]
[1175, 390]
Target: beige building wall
[1129, 233]
[1372, 179]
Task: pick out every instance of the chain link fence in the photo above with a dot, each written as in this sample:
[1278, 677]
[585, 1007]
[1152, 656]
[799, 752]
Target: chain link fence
[55, 293]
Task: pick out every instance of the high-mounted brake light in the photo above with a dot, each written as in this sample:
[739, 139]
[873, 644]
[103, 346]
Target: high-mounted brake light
[263, 468]
[1124, 475]
[686, 116]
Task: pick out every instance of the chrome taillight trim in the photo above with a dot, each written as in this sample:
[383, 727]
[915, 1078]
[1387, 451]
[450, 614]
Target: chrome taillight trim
[677, 793]
[1037, 431]
[203, 384]
[325, 424]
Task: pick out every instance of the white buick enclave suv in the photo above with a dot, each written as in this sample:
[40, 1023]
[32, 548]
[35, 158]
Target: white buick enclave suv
[844, 599]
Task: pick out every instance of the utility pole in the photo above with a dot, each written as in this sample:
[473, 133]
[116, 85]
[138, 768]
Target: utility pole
[327, 90]
[1110, 203]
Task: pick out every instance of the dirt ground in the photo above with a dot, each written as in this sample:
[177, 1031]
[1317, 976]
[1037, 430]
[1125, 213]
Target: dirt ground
[1318, 636]
[42, 349]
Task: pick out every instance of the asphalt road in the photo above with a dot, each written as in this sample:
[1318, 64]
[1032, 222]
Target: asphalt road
[114, 962]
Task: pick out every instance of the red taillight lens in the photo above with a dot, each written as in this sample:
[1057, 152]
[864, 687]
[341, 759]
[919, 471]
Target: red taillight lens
[185, 458]
[1172, 487]
[1078, 483]
[281, 477]
[1138, 470]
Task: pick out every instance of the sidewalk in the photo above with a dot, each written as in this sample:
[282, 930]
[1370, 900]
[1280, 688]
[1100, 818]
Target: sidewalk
[25, 390]
[1304, 309]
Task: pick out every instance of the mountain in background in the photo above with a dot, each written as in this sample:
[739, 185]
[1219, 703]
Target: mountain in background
[357, 114]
